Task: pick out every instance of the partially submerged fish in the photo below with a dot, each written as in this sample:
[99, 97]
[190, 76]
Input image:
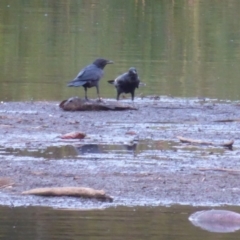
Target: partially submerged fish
[216, 220]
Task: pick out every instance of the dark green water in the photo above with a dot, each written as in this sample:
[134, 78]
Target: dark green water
[114, 223]
[181, 48]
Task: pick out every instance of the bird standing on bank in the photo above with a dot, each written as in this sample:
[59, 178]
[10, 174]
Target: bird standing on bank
[127, 82]
[90, 75]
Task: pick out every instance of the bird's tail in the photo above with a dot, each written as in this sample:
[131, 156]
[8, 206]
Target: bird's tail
[141, 84]
[111, 81]
[70, 84]
[75, 83]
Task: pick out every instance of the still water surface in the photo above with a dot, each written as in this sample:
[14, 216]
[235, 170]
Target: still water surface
[181, 48]
[113, 223]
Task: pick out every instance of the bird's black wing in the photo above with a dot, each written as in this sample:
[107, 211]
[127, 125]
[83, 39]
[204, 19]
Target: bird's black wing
[90, 73]
[138, 82]
[121, 80]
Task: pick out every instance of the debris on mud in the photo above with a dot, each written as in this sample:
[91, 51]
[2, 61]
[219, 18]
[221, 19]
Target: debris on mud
[6, 182]
[78, 104]
[228, 144]
[73, 135]
[70, 192]
[234, 171]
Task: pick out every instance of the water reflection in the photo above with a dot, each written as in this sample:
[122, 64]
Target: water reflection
[148, 148]
[99, 149]
[180, 48]
[69, 151]
[89, 148]
[145, 150]
[51, 152]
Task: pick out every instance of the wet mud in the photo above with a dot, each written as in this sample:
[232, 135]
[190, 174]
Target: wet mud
[135, 156]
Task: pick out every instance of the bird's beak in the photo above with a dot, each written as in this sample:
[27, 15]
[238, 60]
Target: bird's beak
[109, 62]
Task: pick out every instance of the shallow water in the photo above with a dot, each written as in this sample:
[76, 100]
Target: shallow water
[113, 223]
[91, 150]
[180, 48]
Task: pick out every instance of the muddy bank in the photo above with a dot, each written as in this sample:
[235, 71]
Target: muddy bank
[135, 156]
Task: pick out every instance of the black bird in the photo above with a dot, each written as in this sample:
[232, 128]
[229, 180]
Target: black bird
[90, 75]
[127, 82]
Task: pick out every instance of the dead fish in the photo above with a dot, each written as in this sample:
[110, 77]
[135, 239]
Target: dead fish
[221, 221]
[78, 104]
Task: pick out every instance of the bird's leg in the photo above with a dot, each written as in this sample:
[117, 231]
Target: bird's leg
[85, 89]
[132, 93]
[118, 94]
[99, 98]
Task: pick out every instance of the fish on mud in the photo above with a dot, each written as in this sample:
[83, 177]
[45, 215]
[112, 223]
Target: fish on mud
[78, 104]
